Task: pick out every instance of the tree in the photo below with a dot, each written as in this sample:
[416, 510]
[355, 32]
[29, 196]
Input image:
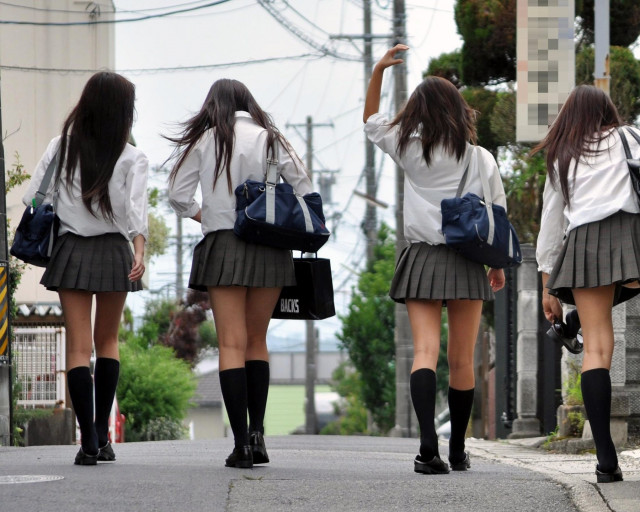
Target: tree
[186, 335]
[153, 384]
[367, 333]
[624, 21]
[488, 28]
[625, 78]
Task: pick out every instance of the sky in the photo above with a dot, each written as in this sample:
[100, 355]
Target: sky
[173, 60]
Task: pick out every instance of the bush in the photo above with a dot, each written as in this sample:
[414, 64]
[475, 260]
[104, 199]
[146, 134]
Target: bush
[153, 384]
[164, 429]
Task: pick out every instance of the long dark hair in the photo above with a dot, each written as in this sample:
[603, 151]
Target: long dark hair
[94, 136]
[439, 115]
[584, 119]
[218, 111]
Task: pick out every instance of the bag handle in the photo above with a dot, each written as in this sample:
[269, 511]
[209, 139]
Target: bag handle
[463, 180]
[46, 179]
[273, 175]
[625, 143]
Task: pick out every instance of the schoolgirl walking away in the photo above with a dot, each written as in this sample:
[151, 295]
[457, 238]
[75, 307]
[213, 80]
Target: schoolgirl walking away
[430, 139]
[100, 191]
[223, 145]
[588, 248]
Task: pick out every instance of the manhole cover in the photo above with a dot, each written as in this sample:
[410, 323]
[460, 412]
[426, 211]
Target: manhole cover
[28, 479]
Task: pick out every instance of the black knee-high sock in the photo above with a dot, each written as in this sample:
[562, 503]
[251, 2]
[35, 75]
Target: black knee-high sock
[105, 381]
[81, 392]
[460, 405]
[233, 384]
[423, 396]
[257, 392]
[596, 393]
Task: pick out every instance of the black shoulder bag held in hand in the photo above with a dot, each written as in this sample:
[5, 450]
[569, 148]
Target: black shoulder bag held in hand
[38, 228]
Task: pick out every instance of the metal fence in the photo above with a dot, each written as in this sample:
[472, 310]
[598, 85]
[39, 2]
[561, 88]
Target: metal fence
[39, 357]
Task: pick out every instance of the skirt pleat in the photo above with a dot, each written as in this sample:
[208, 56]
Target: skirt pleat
[93, 263]
[223, 259]
[436, 272]
[599, 254]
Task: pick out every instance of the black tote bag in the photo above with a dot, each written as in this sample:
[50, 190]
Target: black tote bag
[312, 296]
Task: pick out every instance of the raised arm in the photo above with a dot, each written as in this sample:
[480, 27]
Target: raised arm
[372, 101]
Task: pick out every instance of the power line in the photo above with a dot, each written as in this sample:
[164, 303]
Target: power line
[164, 70]
[111, 21]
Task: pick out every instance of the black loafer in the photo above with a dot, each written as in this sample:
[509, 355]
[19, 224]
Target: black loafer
[106, 453]
[556, 333]
[433, 467]
[462, 465]
[605, 478]
[85, 459]
[240, 458]
[258, 448]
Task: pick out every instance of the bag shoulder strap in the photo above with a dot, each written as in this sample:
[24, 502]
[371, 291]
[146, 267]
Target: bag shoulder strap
[46, 179]
[634, 134]
[272, 165]
[463, 180]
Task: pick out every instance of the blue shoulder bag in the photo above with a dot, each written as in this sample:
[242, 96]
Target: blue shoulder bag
[478, 229]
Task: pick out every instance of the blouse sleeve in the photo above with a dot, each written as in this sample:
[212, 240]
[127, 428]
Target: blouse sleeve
[38, 174]
[137, 202]
[294, 171]
[495, 179]
[182, 189]
[552, 228]
[379, 132]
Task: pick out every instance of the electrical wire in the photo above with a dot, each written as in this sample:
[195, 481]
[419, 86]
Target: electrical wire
[200, 67]
[111, 21]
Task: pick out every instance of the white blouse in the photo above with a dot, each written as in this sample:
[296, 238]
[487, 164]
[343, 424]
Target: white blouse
[602, 187]
[426, 186]
[127, 192]
[248, 161]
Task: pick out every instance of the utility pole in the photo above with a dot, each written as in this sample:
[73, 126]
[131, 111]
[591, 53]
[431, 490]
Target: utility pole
[403, 340]
[311, 419]
[179, 279]
[370, 216]
[5, 327]
[601, 76]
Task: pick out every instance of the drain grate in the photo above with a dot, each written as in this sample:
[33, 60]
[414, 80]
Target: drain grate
[28, 479]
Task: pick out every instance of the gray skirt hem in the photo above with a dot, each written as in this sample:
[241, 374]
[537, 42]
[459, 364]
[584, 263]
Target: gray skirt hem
[436, 272]
[223, 259]
[599, 254]
[91, 263]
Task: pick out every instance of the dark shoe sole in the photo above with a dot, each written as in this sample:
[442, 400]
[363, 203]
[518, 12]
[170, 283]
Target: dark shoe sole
[240, 458]
[106, 454]
[571, 344]
[259, 456]
[462, 465]
[85, 459]
[606, 478]
[434, 467]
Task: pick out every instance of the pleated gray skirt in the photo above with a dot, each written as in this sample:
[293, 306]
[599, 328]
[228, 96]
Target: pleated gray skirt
[436, 272]
[91, 263]
[223, 259]
[598, 254]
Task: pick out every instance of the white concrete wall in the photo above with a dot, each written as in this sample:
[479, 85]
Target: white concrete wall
[42, 72]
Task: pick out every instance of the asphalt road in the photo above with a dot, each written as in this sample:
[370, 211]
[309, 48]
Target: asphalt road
[306, 473]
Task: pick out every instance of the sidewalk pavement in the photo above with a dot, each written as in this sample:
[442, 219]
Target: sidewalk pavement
[312, 473]
[575, 472]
